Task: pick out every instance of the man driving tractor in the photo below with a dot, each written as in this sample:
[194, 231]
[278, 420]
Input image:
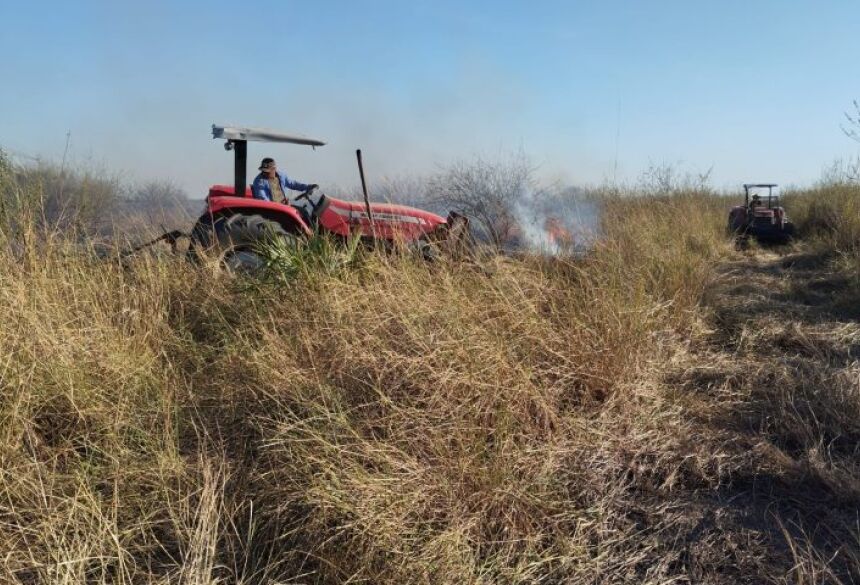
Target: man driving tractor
[756, 201]
[234, 225]
[270, 185]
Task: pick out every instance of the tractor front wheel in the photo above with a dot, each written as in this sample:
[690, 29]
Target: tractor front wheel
[238, 240]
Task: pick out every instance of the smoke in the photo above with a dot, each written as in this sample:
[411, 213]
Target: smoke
[507, 206]
[557, 221]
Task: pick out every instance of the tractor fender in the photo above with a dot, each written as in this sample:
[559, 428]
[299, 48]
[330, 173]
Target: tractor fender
[287, 216]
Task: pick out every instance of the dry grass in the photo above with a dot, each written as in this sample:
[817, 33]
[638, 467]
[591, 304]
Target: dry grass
[829, 214]
[387, 421]
[828, 218]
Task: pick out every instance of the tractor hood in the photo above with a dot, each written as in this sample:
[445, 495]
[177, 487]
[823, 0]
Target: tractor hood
[389, 221]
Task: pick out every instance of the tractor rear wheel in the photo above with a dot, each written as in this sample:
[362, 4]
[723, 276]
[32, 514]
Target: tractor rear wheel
[238, 239]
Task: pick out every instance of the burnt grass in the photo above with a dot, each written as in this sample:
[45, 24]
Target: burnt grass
[772, 383]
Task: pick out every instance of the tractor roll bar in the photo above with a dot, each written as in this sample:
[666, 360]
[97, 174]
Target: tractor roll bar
[768, 186]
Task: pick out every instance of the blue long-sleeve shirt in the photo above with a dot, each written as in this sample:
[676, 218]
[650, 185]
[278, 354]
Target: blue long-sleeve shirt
[260, 187]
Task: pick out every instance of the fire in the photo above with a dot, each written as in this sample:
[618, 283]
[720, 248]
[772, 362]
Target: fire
[558, 234]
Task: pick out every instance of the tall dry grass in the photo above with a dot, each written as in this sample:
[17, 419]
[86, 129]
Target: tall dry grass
[382, 420]
[828, 220]
[828, 214]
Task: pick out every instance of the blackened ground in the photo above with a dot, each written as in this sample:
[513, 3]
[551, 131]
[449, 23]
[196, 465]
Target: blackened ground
[771, 391]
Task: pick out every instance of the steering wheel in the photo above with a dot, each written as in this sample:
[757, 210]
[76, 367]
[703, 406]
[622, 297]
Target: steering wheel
[307, 194]
[314, 206]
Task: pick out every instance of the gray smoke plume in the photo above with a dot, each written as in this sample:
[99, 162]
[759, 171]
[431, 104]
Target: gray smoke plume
[558, 221]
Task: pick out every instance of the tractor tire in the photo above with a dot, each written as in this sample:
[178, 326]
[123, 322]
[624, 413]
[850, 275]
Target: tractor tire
[237, 239]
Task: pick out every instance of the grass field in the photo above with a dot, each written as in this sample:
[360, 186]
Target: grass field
[662, 409]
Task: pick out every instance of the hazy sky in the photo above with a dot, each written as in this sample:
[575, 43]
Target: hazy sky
[756, 89]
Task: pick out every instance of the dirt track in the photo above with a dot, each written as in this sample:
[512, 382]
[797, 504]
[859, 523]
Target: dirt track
[772, 388]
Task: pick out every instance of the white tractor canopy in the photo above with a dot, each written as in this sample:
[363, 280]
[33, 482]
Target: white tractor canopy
[261, 135]
[767, 189]
[760, 185]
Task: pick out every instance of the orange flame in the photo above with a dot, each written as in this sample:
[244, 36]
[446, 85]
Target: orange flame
[558, 234]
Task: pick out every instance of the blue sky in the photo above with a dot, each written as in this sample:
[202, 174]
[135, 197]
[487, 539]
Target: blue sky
[754, 89]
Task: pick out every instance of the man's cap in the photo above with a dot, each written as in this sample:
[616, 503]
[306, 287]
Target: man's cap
[267, 162]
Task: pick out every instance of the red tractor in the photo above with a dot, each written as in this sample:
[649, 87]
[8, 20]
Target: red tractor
[761, 216]
[234, 223]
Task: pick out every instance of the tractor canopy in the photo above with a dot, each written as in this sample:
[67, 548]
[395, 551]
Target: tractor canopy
[261, 135]
[237, 138]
